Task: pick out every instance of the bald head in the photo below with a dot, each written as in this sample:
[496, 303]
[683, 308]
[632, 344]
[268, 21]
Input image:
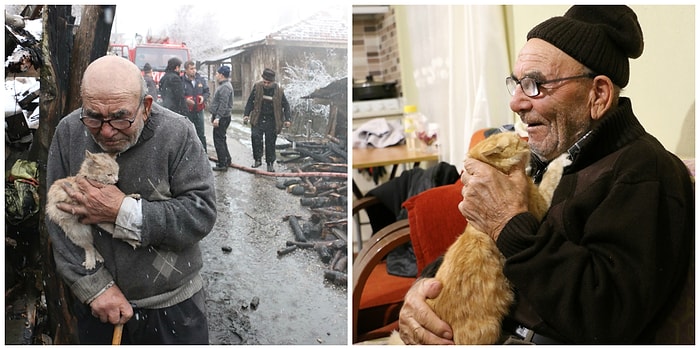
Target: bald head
[112, 76]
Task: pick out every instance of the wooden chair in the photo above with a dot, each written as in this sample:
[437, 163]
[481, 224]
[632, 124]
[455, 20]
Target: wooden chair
[377, 295]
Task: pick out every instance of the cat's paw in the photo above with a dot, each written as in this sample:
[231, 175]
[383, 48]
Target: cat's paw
[395, 339]
[89, 264]
[135, 196]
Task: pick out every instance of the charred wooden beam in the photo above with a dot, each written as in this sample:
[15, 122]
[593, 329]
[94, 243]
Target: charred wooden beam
[314, 156]
[296, 228]
[280, 174]
[342, 264]
[305, 245]
[337, 150]
[338, 254]
[335, 277]
[334, 244]
[329, 212]
[340, 261]
[339, 234]
[325, 167]
[334, 139]
[324, 252]
[317, 202]
[286, 250]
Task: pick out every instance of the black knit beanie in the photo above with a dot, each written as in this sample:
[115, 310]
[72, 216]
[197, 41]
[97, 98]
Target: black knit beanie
[268, 74]
[601, 37]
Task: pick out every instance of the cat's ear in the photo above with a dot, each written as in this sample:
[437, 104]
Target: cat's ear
[88, 154]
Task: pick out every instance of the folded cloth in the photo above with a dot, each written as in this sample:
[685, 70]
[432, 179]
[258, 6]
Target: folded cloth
[378, 133]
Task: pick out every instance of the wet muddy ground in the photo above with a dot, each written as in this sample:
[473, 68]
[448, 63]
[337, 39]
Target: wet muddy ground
[254, 296]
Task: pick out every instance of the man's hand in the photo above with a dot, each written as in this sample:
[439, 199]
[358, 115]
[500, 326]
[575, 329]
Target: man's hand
[111, 306]
[490, 198]
[246, 119]
[94, 202]
[418, 324]
[215, 122]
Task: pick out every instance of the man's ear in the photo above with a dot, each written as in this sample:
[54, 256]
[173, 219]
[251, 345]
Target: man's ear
[147, 104]
[602, 96]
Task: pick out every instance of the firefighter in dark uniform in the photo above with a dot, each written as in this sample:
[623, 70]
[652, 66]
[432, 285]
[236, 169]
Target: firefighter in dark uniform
[196, 95]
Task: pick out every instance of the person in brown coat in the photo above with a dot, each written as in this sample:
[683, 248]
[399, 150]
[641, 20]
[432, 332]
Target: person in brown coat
[268, 111]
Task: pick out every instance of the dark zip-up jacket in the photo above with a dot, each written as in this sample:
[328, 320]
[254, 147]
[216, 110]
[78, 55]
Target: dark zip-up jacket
[172, 92]
[199, 88]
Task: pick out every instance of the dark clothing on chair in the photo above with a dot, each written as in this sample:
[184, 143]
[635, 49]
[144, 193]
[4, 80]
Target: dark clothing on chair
[401, 261]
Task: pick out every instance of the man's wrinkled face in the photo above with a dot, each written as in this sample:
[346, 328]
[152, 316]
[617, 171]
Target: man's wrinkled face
[115, 113]
[560, 114]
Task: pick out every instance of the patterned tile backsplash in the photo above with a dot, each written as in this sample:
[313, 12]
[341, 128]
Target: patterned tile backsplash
[375, 49]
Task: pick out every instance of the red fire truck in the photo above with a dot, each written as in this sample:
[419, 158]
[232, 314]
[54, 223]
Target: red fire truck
[156, 52]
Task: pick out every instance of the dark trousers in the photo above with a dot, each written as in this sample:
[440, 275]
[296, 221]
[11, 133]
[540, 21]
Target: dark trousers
[184, 323]
[197, 118]
[222, 154]
[265, 128]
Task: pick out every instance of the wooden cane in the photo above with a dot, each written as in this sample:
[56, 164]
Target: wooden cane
[117, 336]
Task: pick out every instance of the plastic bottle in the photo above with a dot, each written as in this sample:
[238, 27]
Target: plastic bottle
[411, 119]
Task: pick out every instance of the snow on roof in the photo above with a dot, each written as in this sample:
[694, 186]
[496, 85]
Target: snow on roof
[327, 27]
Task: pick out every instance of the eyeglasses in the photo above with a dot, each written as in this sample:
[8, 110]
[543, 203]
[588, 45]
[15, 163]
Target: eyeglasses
[531, 86]
[119, 123]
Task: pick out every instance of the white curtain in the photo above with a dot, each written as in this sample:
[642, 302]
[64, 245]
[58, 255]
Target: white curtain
[460, 62]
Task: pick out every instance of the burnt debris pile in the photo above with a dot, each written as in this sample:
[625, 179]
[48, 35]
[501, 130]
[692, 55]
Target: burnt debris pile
[321, 185]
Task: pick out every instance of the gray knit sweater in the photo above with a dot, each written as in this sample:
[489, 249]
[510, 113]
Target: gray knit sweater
[171, 172]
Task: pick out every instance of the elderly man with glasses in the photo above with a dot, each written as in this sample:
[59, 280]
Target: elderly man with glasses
[149, 280]
[608, 261]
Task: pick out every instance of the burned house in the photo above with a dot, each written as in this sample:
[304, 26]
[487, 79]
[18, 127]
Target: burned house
[306, 56]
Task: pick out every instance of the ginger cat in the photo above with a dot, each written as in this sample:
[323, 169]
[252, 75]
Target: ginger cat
[99, 167]
[476, 294]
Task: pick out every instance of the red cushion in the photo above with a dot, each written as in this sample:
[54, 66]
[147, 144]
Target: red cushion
[435, 221]
[382, 288]
[380, 303]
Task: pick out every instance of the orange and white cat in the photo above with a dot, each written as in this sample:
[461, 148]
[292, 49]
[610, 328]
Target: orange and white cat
[99, 167]
[475, 293]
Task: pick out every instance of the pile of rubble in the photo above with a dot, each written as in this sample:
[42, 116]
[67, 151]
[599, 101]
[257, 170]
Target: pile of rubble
[25, 304]
[320, 180]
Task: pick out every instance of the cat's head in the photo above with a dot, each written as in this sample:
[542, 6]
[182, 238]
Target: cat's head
[503, 151]
[100, 167]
